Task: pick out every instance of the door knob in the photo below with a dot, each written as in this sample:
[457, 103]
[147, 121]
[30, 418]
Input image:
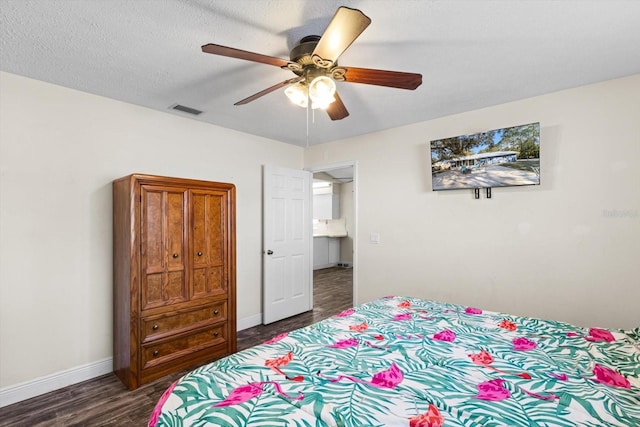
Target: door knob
[269, 252]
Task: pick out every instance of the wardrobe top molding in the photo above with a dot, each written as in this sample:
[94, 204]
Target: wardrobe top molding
[158, 179]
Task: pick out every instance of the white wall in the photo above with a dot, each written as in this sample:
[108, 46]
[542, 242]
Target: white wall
[59, 151]
[568, 249]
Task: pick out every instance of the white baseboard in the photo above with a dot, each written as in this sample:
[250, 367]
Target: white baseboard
[55, 381]
[249, 322]
[23, 391]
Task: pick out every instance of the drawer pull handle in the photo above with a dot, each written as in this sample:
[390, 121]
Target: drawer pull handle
[199, 253]
[216, 311]
[155, 326]
[216, 333]
[175, 255]
[155, 353]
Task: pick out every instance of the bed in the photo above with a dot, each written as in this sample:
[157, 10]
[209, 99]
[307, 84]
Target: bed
[402, 361]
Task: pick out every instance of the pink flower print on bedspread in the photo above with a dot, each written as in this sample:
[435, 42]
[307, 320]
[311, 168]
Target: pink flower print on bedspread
[277, 338]
[597, 334]
[492, 390]
[388, 378]
[485, 359]
[508, 325]
[561, 377]
[351, 342]
[277, 363]
[361, 327]
[346, 313]
[549, 396]
[446, 335]
[247, 392]
[523, 344]
[155, 415]
[241, 394]
[402, 316]
[472, 310]
[404, 304]
[608, 376]
[431, 418]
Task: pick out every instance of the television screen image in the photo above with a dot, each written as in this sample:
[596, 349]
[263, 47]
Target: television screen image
[503, 157]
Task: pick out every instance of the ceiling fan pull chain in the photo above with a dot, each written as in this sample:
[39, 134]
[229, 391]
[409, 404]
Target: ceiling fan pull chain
[308, 107]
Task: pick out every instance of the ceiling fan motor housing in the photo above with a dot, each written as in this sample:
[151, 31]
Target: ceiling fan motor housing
[302, 55]
[302, 52]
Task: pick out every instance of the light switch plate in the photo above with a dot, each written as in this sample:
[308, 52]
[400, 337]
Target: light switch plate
[374, 238]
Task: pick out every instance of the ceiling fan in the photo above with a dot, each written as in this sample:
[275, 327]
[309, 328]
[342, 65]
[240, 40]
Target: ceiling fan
[315, 63]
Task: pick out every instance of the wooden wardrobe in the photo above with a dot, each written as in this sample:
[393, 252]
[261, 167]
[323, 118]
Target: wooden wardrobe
[174, 275]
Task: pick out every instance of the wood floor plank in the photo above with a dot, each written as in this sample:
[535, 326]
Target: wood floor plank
[105, 401]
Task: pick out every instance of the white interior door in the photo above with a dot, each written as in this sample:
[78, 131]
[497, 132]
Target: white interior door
[287, 235]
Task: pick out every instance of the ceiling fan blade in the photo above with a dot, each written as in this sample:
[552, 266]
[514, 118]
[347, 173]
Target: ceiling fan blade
[269, 90]
[231, 52]
[345, 26]
[336, 110]
[396, 79]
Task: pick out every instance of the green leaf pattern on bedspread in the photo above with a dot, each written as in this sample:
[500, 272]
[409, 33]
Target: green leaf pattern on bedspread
[402, 361]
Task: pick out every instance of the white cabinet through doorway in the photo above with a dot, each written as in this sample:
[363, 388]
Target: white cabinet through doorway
[326, 200]
[326, 252]
[326, 206]
[334, 251]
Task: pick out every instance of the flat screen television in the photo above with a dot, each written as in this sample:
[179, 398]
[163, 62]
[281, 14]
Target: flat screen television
[503, 157]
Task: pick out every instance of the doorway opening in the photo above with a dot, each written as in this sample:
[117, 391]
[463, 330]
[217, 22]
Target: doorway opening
[334, 231]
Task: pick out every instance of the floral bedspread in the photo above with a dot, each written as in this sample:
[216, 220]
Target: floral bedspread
[402, 361]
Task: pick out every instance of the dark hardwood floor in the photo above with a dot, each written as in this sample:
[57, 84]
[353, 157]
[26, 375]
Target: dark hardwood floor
[104, 401]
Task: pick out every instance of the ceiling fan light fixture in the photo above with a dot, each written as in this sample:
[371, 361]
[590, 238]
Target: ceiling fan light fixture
[322, 91]
[297, 94]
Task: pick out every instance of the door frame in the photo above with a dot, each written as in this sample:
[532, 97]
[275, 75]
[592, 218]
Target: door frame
[342, 165]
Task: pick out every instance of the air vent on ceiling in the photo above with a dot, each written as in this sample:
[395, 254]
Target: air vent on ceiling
[184, 109]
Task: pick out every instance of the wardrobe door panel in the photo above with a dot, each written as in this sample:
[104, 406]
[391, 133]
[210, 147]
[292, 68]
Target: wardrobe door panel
[153, 248]
[208, 243]
[163, 246]
[175, 225]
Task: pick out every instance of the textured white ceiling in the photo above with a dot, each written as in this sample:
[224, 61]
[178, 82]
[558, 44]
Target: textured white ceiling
[471, 54]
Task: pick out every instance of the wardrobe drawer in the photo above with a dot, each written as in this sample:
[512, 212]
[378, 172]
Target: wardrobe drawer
[166, 350]
[156, 327]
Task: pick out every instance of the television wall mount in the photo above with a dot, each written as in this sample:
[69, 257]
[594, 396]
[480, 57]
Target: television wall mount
[476, 192]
